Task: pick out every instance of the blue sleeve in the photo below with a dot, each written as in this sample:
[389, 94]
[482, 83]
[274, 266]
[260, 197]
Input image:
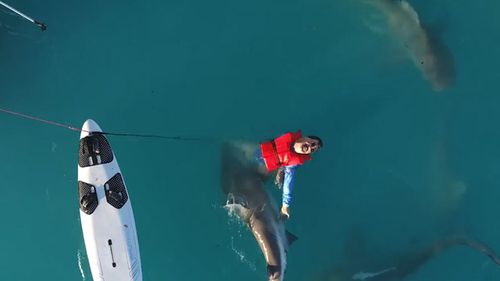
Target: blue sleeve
[288, 183]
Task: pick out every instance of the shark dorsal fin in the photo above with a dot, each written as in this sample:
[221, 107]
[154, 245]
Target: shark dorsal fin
[291, 238]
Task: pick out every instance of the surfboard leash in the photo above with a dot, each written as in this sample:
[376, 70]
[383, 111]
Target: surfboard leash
[76, 129]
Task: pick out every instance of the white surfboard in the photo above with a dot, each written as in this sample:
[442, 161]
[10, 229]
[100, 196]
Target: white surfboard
[105, 210]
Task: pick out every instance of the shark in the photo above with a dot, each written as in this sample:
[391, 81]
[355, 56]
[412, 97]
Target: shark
[359, 265]
[428, 53]
[246, 195]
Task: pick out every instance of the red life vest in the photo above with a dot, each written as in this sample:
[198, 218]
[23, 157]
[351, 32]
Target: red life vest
[279, 152]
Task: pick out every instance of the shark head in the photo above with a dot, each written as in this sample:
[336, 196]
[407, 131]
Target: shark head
[237, 206]
[436, 67]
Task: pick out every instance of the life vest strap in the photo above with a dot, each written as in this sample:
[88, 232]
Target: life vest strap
[275, 151]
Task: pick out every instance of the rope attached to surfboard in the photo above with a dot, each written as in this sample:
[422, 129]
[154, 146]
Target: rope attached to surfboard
[41, 25]
[76, 129]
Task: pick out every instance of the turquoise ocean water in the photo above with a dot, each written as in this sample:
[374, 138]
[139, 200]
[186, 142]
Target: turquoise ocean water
[402, 165]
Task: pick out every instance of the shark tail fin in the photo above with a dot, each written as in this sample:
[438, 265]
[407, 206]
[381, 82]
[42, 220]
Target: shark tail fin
[480, 247]
[273, 272]
[290, 237]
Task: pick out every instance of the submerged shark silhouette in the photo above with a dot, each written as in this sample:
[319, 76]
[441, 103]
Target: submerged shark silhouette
[397, 268]
[431, 56]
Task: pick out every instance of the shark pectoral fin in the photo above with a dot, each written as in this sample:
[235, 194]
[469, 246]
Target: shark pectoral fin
[291, 238]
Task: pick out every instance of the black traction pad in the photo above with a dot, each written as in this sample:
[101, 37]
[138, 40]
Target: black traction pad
[94, 150]
[116, 195]
[88, 197]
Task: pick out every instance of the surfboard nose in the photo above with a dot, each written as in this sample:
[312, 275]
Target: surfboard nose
[89, 126]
